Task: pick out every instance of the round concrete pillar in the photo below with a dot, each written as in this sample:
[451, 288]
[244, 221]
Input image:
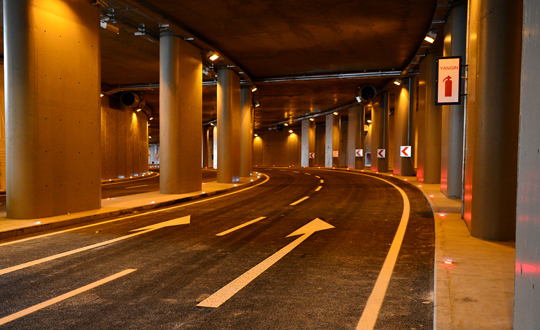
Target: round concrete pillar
[246, 132]
[228, 120]
[493, 120]
[52, 104]
[180, 97]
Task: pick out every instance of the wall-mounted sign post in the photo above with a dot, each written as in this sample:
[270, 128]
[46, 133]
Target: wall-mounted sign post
[448, 80]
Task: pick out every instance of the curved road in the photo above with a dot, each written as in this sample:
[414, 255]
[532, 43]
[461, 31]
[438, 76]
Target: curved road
[185, 268]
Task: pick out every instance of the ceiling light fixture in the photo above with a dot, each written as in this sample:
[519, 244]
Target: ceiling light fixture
[253, 88]
[336, 113]
[212, 56]
[255, 135]
[290, 131]
[369, 121]
[397, 82]
[256, 103]
[311, 119]
[431, 37]
[286, 124]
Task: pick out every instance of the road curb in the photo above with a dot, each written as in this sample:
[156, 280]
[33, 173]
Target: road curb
[127, 211]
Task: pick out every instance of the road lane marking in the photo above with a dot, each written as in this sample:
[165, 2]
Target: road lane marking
[322, 181]
[307, 173]
[318, 188]
[65, 296]
[374, 303]
[143, 185]
[139, 215]
[225, 293]
[295, 172]
[241, 226]
[318, 177]
[139, 231]
[300, 200]
[283, 170]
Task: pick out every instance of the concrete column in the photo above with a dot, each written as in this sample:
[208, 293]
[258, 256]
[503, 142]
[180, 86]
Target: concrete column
[379, 133]
[402, 128]
[493, 118]
[527, 276]
[215, 146]
[453, 115]
[333, 127]
[246, 132]
[52, 107]
[429, 128]
[228, 119]
[355, 138]
[2, 132]
[308, 143]
[180, 98]
[205, 140]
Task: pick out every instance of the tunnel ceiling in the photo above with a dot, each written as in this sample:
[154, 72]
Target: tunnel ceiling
[271, 40]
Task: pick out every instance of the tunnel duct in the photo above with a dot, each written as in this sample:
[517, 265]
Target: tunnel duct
[130, 99]
[365, 94]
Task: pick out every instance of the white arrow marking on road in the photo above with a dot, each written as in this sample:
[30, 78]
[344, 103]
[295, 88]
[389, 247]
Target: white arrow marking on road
[65, 296]
[175, 222]
[225, 293]
[241, 226]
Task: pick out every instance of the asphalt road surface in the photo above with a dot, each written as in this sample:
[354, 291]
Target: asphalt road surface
[194, 267]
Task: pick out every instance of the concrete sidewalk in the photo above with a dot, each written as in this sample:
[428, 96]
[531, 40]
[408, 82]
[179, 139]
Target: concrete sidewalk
[111, 207]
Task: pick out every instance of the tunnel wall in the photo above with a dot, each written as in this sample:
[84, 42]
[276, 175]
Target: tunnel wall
[124, 141]
[277, 148]
[527, 275]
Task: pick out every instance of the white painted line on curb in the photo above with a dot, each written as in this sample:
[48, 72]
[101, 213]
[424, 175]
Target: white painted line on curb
[133, 187]
[65, 296]
[300, 200]
[241, 226]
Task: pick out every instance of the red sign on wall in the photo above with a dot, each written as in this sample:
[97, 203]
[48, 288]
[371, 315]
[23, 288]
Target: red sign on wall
[448, 80]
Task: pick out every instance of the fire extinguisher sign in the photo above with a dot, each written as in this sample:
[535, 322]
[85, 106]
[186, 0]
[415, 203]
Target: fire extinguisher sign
[448, 80]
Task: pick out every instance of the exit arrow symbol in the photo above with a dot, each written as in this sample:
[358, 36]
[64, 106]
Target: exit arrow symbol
[175, 222]
[225, 293]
